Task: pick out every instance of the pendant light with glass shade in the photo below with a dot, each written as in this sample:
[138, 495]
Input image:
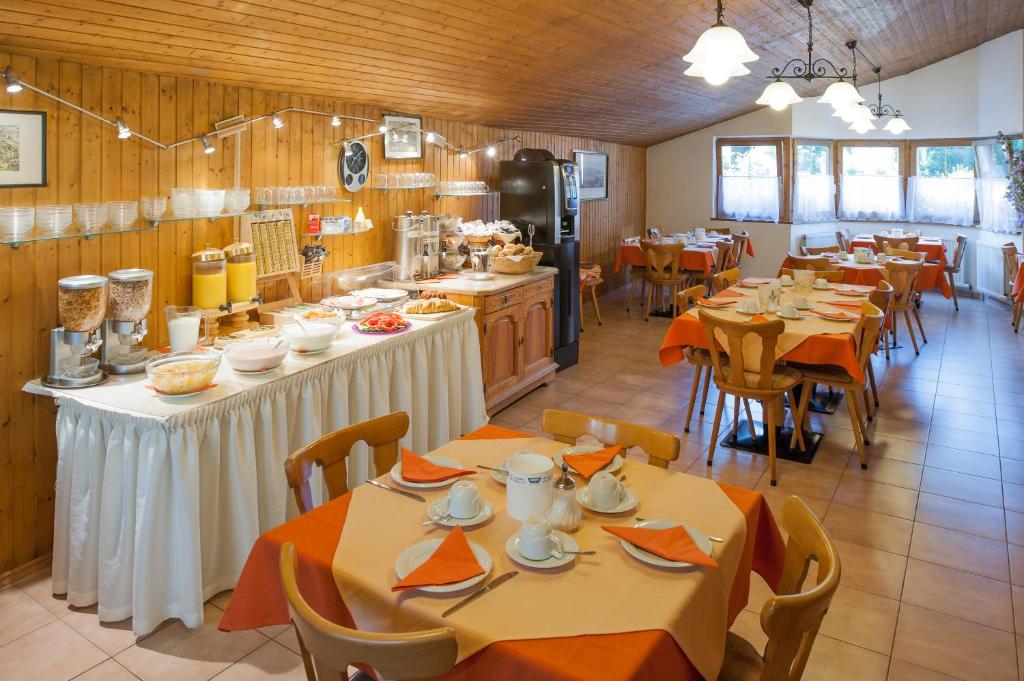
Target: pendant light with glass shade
[896, 125]
[720, 53]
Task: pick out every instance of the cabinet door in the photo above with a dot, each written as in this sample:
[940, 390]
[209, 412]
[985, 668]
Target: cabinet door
[501, 356]
[538, 334]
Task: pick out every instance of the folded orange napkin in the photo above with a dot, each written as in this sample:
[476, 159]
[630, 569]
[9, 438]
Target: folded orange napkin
[753, 281]
[836, 315]
[759, 318]
[674, 543]
[417, 469]
[728, 294]
[452, 562]
[715, 303]
[852, 304]
[588, 464]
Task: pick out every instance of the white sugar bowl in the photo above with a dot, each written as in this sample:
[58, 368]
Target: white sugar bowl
[565, 513]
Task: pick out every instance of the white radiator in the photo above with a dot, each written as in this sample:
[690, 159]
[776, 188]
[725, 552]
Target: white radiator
[820, 240]
[960, 278]
[988, 266]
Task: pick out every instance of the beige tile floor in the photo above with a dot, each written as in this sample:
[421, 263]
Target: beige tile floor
[931, 535]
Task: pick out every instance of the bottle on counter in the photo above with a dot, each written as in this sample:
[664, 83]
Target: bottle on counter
[241, 272]
[209, 278]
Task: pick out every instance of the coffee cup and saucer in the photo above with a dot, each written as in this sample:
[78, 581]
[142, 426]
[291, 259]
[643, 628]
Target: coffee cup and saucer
[606, 494]
[821, 284]
[801, 303]
[789, 311]
[786, 280]
[750, 306]
[462, 506]
[537, 545]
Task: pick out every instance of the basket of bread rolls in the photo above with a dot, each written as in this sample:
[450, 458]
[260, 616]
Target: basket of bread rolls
[513, 259]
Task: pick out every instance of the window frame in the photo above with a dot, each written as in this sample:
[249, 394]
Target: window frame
[783, 147]
[914, 145]
[903, 150]
[831, 163]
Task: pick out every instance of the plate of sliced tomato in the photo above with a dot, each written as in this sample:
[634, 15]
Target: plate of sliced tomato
[382, 322]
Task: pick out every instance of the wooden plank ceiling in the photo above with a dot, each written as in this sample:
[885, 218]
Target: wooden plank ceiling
[605, 69]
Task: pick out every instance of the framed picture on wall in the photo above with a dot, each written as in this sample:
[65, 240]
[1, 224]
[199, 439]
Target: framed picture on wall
[403, 138]
[592, 169]
[22, 148]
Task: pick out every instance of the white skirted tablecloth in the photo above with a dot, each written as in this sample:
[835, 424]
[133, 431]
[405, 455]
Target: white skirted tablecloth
[158, 501]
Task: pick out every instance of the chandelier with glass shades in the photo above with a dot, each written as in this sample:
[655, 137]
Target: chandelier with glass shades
[721, 52]
[896, 124]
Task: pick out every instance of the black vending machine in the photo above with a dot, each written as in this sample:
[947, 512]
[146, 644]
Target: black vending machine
[538, 189]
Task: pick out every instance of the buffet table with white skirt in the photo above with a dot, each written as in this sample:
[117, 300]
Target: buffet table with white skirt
[158, 501]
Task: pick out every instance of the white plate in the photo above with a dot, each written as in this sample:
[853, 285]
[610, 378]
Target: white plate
[258, 372]
[386, 294]
[396, 473]
[417, 555]
[832, 319]
[182, 396]
[749, 314]
[349, 302]
[307, 353]
[793, 318]
[499, 477]
[562, 542]
[701, 539]
[612, 466]
[852, 294]
[808, 306]
[439, 507]
[629, 501]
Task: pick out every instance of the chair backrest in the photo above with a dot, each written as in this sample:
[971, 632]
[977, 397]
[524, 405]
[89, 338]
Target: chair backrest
[831, 276]
[725, 279]
[687, 297]
[719, 230]
[768, 333]
[566, 426]
[868, 329]
[662, 259]
[819, 250]
[330, 648]
[906, 243]
[331, 451]
[959, 251]
[792, 618]
[739, 247]
[906, 255]
[1010, 259]
[902, 276]
[809, 262]
[723, 256]
[843, 240]
[881, 297]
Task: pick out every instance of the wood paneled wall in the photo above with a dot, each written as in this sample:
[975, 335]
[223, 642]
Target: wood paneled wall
[86, 162]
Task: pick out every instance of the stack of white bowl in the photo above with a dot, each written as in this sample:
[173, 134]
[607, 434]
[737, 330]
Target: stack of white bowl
[210, 201]
[236, 200]
[90, 217]
[15, 222]
[53, 220]
[153, 206]
[122, 214]
[184, 203]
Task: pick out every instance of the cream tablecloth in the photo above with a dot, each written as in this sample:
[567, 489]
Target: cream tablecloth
[158, 502]
[610, 592]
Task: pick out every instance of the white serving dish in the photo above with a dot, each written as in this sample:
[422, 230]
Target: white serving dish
[310, 336]
[258, 354]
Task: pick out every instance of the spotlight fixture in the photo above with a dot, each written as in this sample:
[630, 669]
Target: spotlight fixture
[383, 128]
[348, 149]
[463, 154]
[491, 152]
[719, 53]
[430, 137]
[13, 84]
[335, 121]
[276, 120]
[208, 147]
[123, 131]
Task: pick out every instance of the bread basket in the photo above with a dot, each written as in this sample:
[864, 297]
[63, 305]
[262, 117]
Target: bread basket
[514, 264]
[481, 240]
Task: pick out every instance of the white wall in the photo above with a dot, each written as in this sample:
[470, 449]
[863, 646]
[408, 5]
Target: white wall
[973, 94]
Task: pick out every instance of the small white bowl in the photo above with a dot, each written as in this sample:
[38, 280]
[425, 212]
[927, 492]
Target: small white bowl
[310, 336]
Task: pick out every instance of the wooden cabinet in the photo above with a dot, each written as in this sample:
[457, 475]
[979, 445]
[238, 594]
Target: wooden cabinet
[516, 339]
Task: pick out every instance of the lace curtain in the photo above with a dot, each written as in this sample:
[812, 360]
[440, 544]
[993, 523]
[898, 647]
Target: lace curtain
[814, 198]
[871, 197]
[745, 197]
[944, 200]
[994, 209]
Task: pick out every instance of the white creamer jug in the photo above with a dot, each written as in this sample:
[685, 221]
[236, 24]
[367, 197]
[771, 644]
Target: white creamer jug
[528, 485]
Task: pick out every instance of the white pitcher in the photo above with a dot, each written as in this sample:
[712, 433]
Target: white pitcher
[528, 485]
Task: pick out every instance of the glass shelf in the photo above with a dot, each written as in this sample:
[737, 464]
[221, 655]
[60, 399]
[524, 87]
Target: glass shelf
[34, 236]
[390, 189]
[174, 218]
[348, 233]
[265, 206]
[440, 195]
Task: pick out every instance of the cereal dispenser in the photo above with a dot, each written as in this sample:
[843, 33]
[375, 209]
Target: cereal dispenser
[81, 306]
[128, 301]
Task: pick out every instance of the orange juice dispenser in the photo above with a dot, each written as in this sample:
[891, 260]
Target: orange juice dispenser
[241, 272]
[209, 279]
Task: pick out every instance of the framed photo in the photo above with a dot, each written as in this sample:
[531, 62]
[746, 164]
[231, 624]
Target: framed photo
[592, 168]
[403, 138]
[22, 148]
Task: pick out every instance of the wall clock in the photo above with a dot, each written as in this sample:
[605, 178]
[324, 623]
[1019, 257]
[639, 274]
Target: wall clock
[354, 166]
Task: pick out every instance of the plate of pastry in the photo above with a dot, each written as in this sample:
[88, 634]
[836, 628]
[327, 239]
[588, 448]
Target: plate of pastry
[430, 309]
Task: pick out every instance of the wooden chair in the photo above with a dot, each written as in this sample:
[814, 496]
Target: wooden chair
[953, 268]
[916, 256]
[1018, 304]
[866, 337]
[739, 247]
[767, 382]
[720, 230]
[818, 250]
[903, 277]
[590, 279]
[843, 240]
[663, 271]
[792, 617]
[331, 452]
[725, 279]
[809, 262]
[906, 243]
[723, 260]
[831, 276]
[565, 426]
[328, 649]
[881, 298]
[1009, 263]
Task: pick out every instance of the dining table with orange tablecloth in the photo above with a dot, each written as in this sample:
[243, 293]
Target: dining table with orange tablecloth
[931, 278]
[698, 257]
[258, 600]
[1017, 293]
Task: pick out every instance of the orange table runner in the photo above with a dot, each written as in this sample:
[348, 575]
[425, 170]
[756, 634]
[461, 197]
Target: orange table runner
[258, 600]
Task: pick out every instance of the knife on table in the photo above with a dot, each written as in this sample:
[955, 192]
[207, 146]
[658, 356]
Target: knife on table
[498, 581]
[417, 497]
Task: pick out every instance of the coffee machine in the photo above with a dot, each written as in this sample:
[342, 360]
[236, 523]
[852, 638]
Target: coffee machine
[81, 305]
[417, 245]
[540, 196]
[131, 293]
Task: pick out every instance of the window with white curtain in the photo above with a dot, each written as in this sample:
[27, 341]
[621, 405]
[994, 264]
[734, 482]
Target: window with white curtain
[749, 187]
[942, 187]
[995, 212]
[814, 190]
[871, 185]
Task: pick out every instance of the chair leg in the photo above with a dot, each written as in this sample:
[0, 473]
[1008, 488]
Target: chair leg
[801, 413]
[952, 287]
[750, 418]
[798, 431]
[736, 414]
[874, 388]
[714, 428]
[693, 397]
[867, 406]
[643, 290]
[917, 316]
[769, 409]
[885, 335]
[858, 433]
[910, 330]
[629, 298]
[647, 310]
[597, 308]
[704, 394]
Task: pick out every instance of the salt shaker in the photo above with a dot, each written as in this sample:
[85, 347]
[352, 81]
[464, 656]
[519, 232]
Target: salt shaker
[565, 513]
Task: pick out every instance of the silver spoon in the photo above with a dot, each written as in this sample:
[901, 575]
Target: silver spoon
[710, 537]
[559, 554]
[490, 468]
